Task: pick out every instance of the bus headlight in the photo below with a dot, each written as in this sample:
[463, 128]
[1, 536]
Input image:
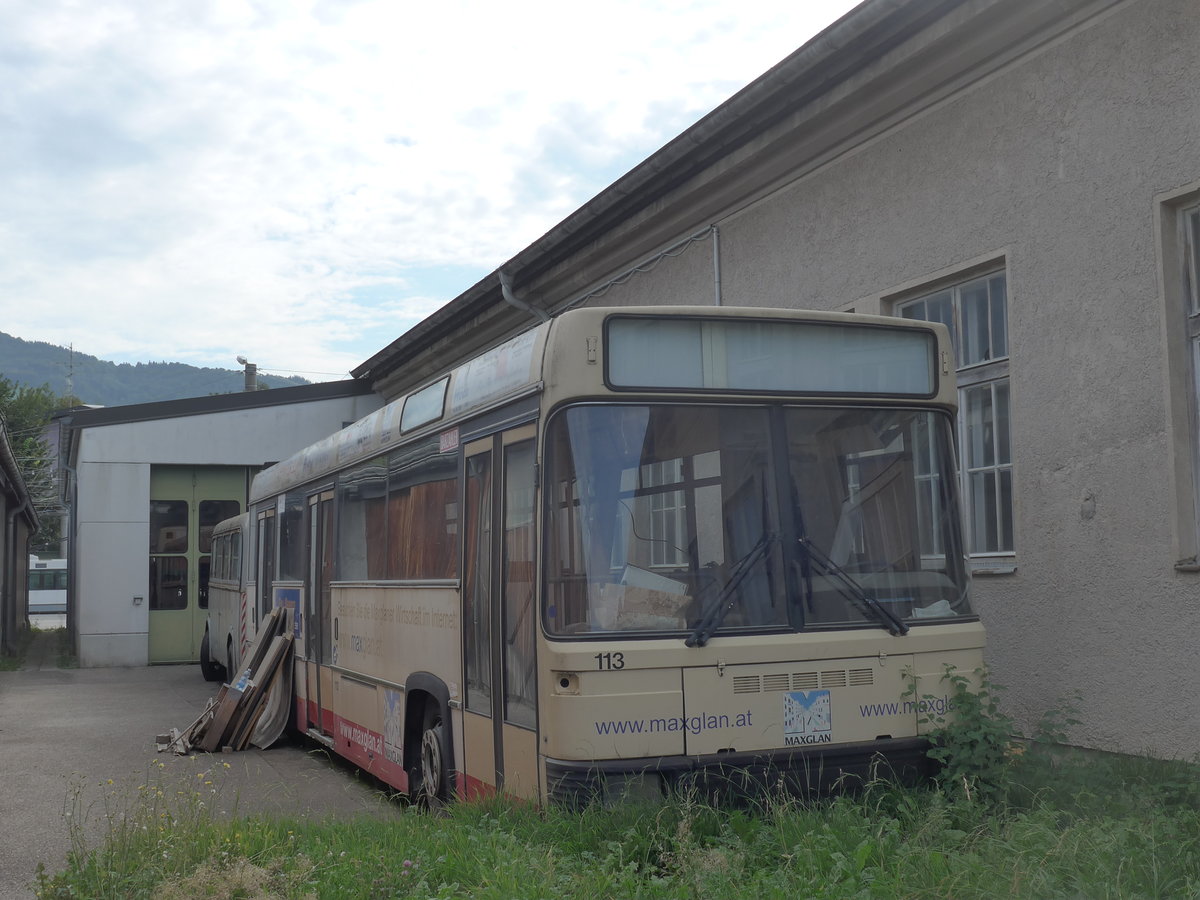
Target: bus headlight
[566, 683]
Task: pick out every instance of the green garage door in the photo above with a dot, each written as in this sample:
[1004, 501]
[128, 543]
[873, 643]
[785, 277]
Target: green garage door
[185, 503]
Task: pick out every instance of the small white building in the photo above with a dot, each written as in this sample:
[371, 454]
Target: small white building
[146, 483]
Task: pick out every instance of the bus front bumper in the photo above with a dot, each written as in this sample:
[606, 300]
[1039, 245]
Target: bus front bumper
[731, 776]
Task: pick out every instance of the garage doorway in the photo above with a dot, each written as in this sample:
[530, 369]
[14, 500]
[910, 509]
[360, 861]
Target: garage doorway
[185, 503]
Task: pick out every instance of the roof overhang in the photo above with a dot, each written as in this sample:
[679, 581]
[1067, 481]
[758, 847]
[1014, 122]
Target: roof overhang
[13, 483]
[91, 417]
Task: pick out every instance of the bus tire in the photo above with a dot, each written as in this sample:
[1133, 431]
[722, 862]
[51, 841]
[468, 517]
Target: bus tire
[209, 668]
[430, 778]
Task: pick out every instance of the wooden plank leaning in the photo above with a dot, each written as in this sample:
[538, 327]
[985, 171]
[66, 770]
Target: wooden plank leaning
[240, 703]
[278, 706]
[264, 676]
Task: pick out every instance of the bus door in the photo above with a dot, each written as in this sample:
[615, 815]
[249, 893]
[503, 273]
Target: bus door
[316, 617]
[499, 615]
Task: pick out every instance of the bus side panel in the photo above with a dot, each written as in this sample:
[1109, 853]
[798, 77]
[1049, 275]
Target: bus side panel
[934, 691]
[386, 633]
[362, 732]
[521, 762]
[479, 746]
[222, 607]
[244, 624]
[320, 685]
[300, 690]
[458, 718]
[389, 632]
[231, 631]
[612, 715]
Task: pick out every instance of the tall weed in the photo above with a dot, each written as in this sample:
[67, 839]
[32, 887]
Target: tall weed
[1131, 830]
[972, 739]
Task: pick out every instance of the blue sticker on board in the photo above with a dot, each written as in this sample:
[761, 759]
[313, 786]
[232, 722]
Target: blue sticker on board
[393, 726]
[807, 718]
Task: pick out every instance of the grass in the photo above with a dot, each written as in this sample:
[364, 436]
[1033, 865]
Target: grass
[1068, 826]
[64, 652]
[11, 662]
[64, 656]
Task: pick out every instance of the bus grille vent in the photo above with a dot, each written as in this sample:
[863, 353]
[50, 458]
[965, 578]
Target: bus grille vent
[805, 681]
[833, 679]
[802, 681]
[780, 682]
[745, 684]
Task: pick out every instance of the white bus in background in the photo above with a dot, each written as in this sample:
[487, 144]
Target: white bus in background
[47, 586]
[625, 550]
[232, 618]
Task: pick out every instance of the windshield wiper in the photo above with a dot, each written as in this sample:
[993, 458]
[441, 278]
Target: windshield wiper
[725, 599]
[894, 624]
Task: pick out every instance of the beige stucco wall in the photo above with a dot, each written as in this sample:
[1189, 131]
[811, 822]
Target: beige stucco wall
[1052, 166]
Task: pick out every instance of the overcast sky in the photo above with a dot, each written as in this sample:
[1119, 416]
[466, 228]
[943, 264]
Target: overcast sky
[301, 181]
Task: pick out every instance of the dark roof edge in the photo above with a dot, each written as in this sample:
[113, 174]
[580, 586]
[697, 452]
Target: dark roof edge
[13, 476]
[194, 406]
[638, 185]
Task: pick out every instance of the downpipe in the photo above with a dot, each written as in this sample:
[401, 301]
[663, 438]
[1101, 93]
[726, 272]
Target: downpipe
[512, 300]
[9, 592]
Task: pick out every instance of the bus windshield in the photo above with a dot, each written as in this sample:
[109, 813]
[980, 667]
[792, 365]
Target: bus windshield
[694, 520]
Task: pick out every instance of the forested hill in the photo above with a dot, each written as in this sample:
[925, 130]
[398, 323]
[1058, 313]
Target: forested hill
[102, 383]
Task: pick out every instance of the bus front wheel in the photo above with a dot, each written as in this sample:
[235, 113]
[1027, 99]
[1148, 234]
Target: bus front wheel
[430, 782]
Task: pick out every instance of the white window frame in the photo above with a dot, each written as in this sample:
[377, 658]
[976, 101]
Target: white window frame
[1177, 236]
[668, 513]
[989, 368]
[1190, 222]
[1189, 231]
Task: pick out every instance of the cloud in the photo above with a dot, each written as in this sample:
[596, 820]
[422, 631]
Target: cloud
[301, 182]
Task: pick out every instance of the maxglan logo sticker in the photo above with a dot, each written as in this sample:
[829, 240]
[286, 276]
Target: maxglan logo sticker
[807, 718]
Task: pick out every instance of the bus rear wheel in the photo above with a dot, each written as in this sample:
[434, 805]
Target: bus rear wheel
[209, 668]
[429, 780]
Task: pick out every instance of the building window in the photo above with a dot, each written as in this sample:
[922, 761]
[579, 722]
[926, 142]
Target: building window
[1191, 263]
[976, 312]
[1191, 278]
[668, 513]
[1190, 232]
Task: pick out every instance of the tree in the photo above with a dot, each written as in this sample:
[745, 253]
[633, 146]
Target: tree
[26, 412]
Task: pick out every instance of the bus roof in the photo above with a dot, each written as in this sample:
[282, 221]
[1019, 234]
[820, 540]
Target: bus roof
[513, 369]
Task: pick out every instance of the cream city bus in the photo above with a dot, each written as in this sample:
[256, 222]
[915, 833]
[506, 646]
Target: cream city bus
[629, 549]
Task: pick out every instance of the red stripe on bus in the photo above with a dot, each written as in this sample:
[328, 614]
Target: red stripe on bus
[242, 622]
[471, 788]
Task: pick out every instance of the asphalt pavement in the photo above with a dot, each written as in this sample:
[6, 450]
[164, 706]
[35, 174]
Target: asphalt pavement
[77, 746]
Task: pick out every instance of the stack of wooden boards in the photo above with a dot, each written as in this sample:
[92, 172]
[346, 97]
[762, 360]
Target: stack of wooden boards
[254, 707]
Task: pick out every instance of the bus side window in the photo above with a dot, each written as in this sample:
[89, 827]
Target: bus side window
[234, 557]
